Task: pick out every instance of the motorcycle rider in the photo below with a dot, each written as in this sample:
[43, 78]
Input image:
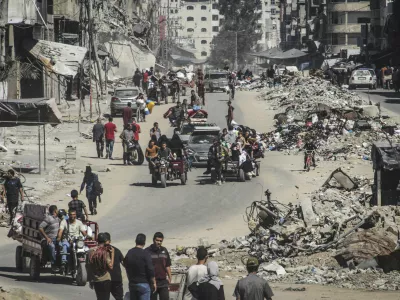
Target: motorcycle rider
[164, 152]
[309, 146]
[127, 137]
[163, 89]
[49, 230]
[69, 230]
[174, 114]
[175, 87]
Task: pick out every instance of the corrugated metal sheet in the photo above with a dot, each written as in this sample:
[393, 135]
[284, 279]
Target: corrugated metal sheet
[58, 58]
[21, 11]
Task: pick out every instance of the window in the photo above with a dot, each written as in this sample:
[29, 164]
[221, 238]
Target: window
[190, 7]
[215, 6]
[176, 22]
[273, 11]
[204, 30]
[190, 30]
[176, 11]
[215, 28]
[203, 53]
[189, 19]
[215, 17]
[172, 11]
[203, 18]
[272, 2]
[203, 7]
[203, 42]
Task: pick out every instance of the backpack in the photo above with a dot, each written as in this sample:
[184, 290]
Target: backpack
[97, 187]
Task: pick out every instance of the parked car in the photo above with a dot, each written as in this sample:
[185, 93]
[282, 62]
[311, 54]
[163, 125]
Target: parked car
[216, 81]
[120, 98]
[363, 78]
[200, 142]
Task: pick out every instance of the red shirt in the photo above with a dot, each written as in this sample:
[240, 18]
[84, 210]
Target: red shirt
[110, 130]
[137, 131]
[145, 77]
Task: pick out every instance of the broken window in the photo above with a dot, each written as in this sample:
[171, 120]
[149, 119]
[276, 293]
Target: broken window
[203, 53]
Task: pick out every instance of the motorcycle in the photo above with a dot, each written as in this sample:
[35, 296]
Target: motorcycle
[77, 261]
[136, 153]
[159, 172]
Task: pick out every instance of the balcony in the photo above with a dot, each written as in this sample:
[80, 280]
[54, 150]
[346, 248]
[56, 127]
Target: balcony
[342, 28]
[349, 6]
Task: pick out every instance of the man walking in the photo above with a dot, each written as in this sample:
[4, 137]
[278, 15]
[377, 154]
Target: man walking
[137, 77]
[136, 129]
[252, 287]
[127, 136]
[140, 270]
[195, 272]
[49, 230]
[117, 288]
[12, 189]
[229, 117]
[162, 267]
[127, 114]
[146, 82]
[155, 133]
[98, 137]
[99, 264]
[110, 129]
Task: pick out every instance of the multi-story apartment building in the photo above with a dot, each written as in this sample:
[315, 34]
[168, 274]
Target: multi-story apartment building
[192, 24]
[269, 24]
[346, 19]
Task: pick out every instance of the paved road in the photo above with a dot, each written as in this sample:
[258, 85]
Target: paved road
[389, 100]
[177, 211]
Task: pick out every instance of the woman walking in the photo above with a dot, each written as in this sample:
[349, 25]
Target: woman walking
[210, 287]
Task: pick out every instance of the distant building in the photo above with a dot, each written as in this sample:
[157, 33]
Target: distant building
[346, 20]
[192, 24]
[270, 24]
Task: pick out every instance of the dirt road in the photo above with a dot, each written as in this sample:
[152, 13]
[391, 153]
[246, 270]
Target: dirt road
[183, 213]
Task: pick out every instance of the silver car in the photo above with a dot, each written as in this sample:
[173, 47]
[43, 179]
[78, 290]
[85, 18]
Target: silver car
[120, 98]
[200, 142]
[216, 81]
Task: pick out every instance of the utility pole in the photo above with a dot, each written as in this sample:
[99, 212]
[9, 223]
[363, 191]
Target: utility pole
[167, 50]
[89, 12]
[236, 51]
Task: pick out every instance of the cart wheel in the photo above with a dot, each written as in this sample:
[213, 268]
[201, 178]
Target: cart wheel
[19, 259]
[258, 169]
[163, 180]
[183, 178]
[242, 177]
[34, 271]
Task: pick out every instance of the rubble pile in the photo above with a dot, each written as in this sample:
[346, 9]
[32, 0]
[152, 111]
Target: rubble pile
[329, 238]
[305, 93]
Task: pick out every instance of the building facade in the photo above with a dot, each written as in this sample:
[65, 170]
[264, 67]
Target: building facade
[192, 24]
[348, 24]
[270, 24]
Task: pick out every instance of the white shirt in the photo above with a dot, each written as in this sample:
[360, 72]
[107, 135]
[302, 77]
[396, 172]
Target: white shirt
[194, 274]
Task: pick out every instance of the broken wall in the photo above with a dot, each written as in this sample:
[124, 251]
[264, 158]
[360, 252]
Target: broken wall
[129, 56]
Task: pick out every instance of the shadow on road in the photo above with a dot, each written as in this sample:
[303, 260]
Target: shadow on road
[386, 94]
[150, 185]
[393, 101]
[12, 273]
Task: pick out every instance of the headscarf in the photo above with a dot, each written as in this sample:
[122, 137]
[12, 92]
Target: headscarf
[212, 276]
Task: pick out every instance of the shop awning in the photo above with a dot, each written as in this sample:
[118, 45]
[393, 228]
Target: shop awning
[29, 112]
[58, 58]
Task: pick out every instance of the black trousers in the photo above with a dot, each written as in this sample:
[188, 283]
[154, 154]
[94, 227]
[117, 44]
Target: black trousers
[100, 147]
[92, 199]
[11, 205]
[162, 292]
[117, 290]
[103, 290]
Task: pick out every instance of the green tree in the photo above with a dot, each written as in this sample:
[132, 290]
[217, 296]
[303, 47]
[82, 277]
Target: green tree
[240, 17]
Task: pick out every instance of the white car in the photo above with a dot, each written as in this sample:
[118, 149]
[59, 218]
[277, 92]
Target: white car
[363, 78]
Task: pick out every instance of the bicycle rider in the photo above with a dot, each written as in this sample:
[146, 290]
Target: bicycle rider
[309, 146]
